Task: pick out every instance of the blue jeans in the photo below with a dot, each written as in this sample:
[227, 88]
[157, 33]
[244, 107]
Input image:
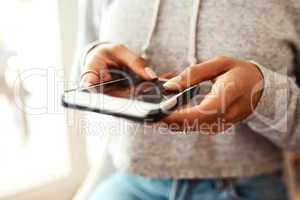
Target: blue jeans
[121, 186]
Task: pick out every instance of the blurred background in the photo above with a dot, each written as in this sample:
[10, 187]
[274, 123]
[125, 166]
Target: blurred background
[44, 151]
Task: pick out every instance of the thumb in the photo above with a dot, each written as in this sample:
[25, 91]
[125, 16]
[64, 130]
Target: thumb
[196, 74]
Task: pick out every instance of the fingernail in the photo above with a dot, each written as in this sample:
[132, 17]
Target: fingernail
[150, 72]
[173, 82]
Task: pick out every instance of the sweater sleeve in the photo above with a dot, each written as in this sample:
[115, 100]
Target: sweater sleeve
[88, 32]
[277, 114]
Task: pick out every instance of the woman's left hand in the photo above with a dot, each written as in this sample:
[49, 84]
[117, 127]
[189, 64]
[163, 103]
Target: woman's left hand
[235, 93]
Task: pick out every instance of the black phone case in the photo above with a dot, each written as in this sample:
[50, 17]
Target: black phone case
[153, 116]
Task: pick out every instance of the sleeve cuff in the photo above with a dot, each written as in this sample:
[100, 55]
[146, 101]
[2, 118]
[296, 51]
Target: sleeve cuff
[274, 95]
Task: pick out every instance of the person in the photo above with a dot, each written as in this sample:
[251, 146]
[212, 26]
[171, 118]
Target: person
[249, 50]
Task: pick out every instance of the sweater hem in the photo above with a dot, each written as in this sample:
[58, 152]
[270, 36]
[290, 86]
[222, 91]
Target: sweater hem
[191, 172]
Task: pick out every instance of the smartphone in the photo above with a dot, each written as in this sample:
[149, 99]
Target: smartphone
[128, 98]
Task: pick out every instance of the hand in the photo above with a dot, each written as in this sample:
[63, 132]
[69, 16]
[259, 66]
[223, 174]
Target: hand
[105, 57]
[236, 91]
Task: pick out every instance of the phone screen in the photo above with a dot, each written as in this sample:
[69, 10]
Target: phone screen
[147, 91]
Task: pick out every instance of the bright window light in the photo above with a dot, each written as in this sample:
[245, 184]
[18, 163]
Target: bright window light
[29, 34]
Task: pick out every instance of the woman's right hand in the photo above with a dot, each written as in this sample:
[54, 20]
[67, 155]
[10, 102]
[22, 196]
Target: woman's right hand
[105, 57]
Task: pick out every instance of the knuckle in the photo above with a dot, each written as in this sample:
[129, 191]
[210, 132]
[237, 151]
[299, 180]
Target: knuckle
[230, 88]
[221, 58]
[98, 52]
[191, 69]
[118, 47]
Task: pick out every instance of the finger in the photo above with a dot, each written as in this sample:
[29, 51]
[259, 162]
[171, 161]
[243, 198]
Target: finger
[168, 75]
[92, 77]
[184, 117]
[203, 128]
[233, 115]
[207, 111]
[238, 111]
[88, 80]
[135, 63]
[189, 119]
[197, 73]
[212, 107]
[210, 124]
[223, 93]
[96, 70]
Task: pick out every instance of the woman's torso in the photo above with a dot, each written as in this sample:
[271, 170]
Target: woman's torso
[250, 30]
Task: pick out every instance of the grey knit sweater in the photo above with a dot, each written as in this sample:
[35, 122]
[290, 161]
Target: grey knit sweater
[176, 33]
